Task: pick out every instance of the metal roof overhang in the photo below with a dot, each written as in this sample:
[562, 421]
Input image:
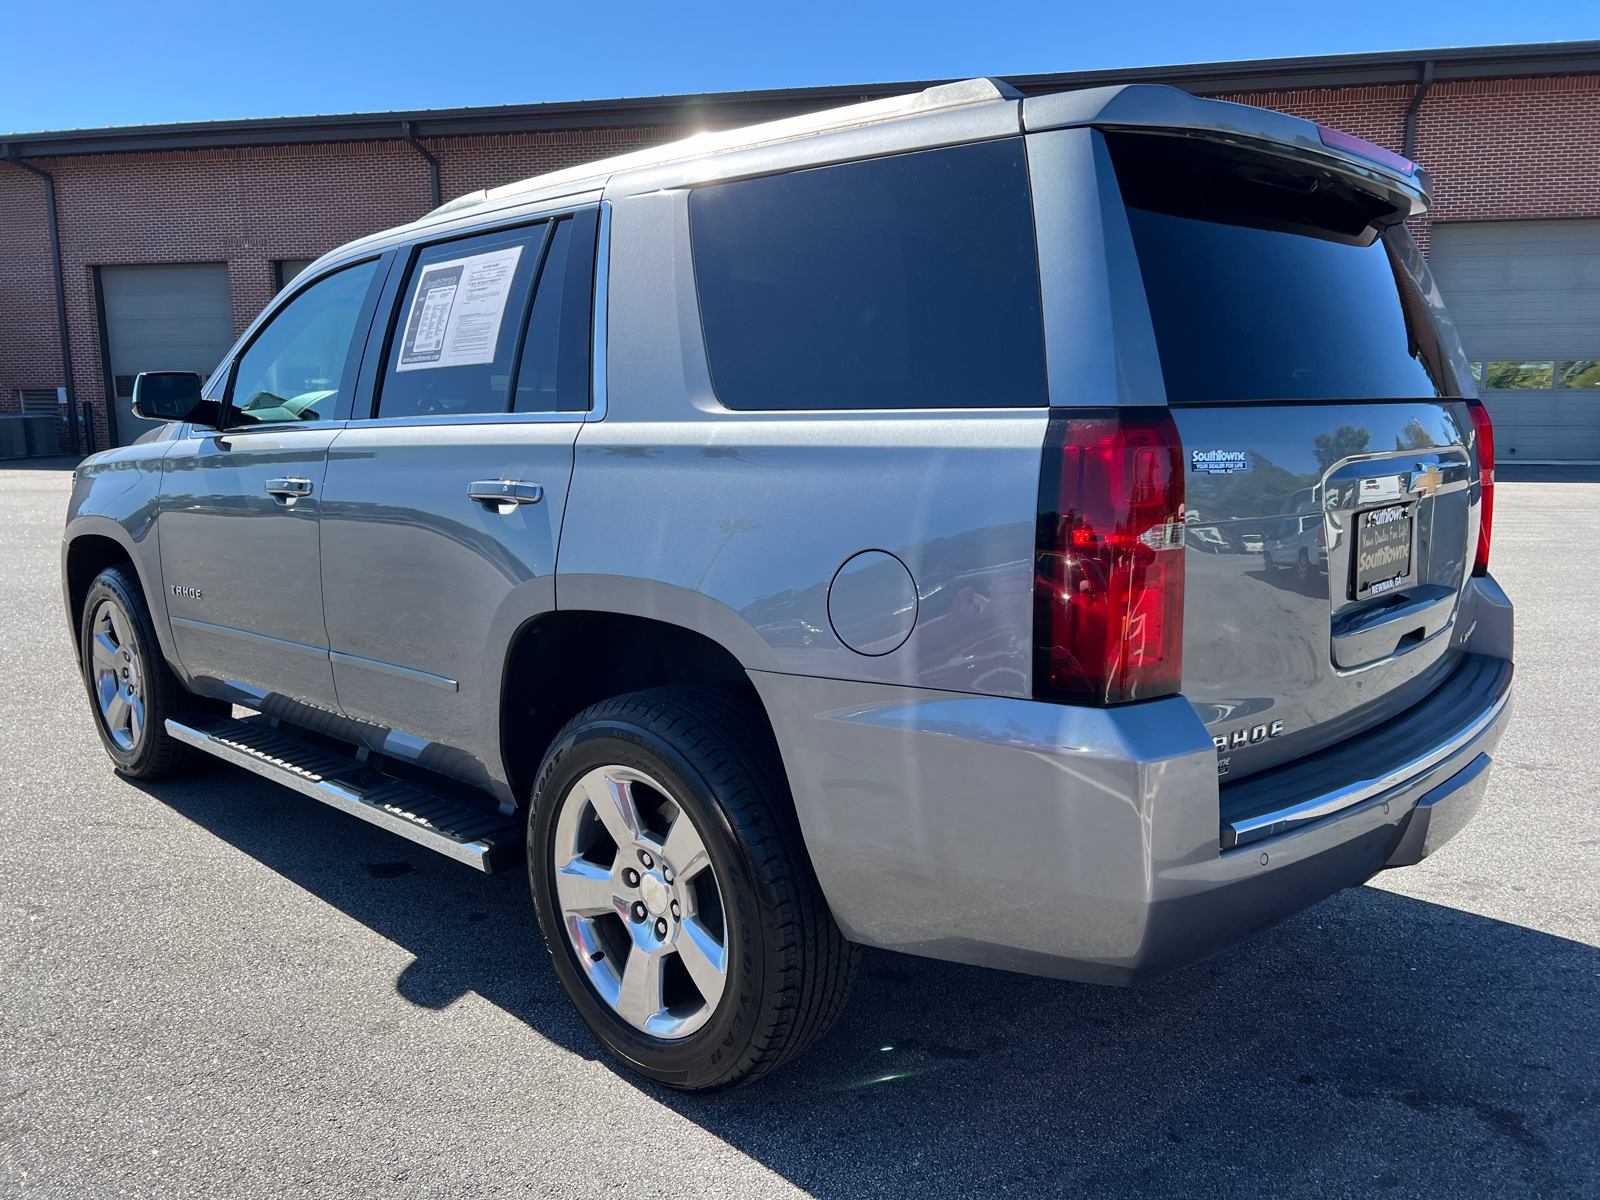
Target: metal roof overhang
[732, 109]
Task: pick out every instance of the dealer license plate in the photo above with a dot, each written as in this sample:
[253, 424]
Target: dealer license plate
[1383, 550]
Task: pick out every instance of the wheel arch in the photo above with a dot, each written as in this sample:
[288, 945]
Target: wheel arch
[85, 556]
[561, 662]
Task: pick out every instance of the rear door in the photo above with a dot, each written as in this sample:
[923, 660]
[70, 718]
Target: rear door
[239, 510]
[442, 510]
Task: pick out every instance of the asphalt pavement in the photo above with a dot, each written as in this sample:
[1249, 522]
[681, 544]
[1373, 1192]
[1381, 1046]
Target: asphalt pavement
[216, 987]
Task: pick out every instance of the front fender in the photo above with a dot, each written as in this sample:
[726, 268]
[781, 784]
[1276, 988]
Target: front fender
[115, 495]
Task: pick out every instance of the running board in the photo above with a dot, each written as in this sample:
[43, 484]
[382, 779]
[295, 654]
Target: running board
[481, 838]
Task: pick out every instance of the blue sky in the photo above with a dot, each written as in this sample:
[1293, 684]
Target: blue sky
[88, 63]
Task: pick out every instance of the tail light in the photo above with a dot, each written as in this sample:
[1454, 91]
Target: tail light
[1484, 429]
[1108, 577]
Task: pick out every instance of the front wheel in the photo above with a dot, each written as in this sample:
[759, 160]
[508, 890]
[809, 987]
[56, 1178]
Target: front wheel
[675, 895]
[131, 688]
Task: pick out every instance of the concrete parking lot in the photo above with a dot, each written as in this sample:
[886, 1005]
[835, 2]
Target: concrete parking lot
[215, 987]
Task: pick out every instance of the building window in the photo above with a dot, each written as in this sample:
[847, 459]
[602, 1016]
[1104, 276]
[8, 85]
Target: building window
[1579, 373]
[285, 269]
[1537, 375]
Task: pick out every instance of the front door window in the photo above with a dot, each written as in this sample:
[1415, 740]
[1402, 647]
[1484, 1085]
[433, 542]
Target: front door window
[295, 369]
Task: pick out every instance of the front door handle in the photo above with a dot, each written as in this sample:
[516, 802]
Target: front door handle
[287, 491]
[495, 492]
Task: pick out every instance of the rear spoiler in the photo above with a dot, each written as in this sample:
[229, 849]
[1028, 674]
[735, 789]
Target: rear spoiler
[1158, 109]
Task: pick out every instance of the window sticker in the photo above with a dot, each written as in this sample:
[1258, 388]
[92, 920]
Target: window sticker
[456, 311]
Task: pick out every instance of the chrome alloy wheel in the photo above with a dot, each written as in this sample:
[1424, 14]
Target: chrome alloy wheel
[118, 676]
[639, 901]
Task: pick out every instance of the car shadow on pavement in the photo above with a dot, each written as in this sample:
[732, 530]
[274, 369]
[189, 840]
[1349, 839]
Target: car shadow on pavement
[1375, 1045]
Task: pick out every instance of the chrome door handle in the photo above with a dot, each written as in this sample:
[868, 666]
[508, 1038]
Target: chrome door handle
[504, 491]
[287, 490]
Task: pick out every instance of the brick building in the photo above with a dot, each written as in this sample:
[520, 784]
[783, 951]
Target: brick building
[177, 235]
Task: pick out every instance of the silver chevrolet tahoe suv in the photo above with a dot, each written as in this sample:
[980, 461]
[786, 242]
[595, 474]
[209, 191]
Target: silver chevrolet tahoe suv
[843, 531]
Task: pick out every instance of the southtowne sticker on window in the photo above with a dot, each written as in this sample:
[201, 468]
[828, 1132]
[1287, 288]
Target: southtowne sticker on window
[457, 310]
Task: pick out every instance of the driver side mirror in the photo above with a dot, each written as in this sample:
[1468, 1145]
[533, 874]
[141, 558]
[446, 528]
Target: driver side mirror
[173, 396]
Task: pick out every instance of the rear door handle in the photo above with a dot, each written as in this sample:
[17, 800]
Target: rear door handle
[287, 490]
[504, 491]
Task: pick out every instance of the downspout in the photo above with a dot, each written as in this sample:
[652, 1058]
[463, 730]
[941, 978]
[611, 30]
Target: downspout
[1409, 147]
[433, 163]
[61, 287]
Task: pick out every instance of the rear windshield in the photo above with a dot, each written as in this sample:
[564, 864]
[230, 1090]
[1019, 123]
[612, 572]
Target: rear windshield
[902, 282]
[1281, 295]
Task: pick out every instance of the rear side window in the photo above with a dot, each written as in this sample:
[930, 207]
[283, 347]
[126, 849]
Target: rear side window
[490, 322]
[903, 282]
[555, 370]
[1266, 288]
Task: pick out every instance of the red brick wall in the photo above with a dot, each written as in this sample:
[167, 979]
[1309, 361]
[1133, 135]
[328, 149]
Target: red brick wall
[245, 207]
[1494, 148]
[1497, 148]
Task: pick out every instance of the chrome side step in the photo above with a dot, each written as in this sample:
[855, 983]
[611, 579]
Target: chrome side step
[481, 838]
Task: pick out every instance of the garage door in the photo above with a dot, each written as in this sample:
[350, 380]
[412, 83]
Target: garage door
[1526, 297]
[171, 317]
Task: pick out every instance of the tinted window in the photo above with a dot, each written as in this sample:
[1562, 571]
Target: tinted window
[555, 367]
[1266, 277]
[294, 369]
[461, 313]
[1257, 314]
[904, 282]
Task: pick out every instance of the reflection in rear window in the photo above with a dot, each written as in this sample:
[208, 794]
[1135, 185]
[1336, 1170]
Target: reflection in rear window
[1244, 313]
[902, 282]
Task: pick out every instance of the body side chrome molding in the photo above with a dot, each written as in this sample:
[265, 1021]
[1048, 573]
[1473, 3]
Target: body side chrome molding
[246, 636]
[372, 664]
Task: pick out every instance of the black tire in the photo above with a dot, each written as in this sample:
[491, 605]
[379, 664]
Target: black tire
[1302, 569]
[149, 753]
[789, 970]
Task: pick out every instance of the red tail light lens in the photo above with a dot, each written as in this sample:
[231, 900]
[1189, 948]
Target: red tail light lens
[1484, 430]
[1108, 577]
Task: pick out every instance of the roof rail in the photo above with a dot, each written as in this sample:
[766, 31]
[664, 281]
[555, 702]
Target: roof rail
[939, 98]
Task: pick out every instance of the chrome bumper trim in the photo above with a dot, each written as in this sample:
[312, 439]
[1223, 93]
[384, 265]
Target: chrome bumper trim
[1254, 828]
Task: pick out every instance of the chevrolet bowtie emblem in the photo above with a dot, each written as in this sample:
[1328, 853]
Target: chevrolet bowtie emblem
[1427, 482]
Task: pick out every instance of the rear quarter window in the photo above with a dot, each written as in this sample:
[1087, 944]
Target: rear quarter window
[903, 282]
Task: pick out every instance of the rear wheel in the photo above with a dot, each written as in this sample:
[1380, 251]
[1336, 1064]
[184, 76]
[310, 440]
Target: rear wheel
[131, 688]
[675, 895]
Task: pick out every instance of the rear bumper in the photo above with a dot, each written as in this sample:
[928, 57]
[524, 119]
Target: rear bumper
[1088, 843]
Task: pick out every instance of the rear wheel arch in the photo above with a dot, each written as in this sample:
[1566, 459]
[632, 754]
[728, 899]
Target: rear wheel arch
[560, 663]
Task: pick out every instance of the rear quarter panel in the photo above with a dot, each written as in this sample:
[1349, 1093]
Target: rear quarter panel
[735, 523]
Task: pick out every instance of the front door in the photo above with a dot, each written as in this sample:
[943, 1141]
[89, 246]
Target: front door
[441, 515]
[238, 520]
